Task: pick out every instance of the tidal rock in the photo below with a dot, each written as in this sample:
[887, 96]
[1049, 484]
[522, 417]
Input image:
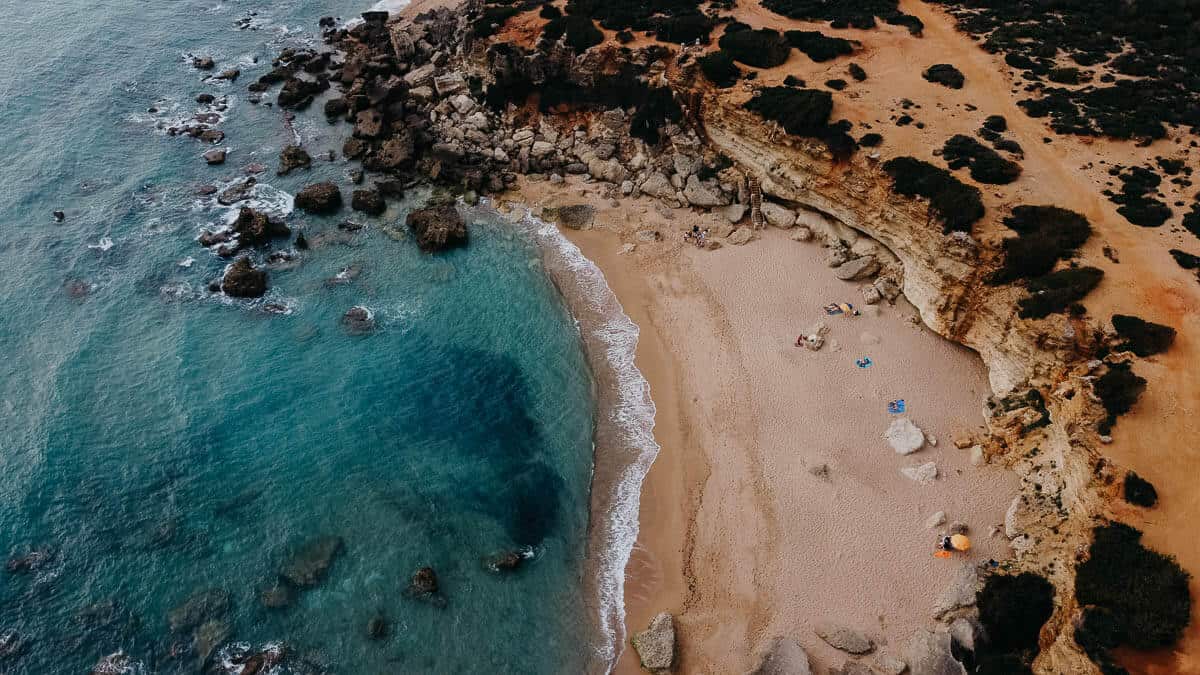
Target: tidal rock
[377, 627]
[238, 192]
[778, 216]
[656, 645]
[203, 63]
[29, 562]
[309, 564]
[783, 656]
[278, 596]
[255, 228]
[114, 664]
[231, 74]
[904, 436]
[423, 582]
[319, 198]
[260, 663]
[358, 320]
[802, 233]
[368, 124]
[243, 280]
[209, 636]
[506, 561]
[858, 269]
[59, 216]
[438, 228]
[204, 606]
[205, 99]
[293, 157]
[924, 474]
[574, 217]
[12, 644]
[368, 201]
[929, 653]
[846, 639]
[301, 242]
[215, 156]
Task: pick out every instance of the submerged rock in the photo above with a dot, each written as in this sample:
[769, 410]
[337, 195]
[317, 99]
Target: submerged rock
[423, 583]
[368, 201]
[238, 192]
[507, 561]
[278, 596]
[209, 636]
[255, 228]
[438, 228]
[656, 645]
[30, 561]
[377, 627]
[319, 198]
[309, 564]
[12, 644]
[243, 280]
[209, 604]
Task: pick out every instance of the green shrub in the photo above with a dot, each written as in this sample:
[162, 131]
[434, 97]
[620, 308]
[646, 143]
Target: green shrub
[719, 68]
[549, 12]
[818, 46]
[986, 165]
[1142, 337]
[1139, 491]
[945, 75]
[1057, 291]
[804, 112]
[1185, 260]
[1118, 388]
[1046, 234]
[856, 71]
[1145, 591]
[763, 48]
[957, 205]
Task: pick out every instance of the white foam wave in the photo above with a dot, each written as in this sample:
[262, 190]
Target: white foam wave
[103, 245]
[629, 417]
[393, 7]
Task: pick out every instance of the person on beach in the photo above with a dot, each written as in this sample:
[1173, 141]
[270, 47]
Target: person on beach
[949, 545]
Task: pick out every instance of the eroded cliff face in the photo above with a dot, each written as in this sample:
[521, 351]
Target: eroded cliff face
[1064, 481]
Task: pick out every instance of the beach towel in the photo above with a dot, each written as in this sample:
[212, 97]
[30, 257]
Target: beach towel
[833, 309]
[896, 407]
[864, 362]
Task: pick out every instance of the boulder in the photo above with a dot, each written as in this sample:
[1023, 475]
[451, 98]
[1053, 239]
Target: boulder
[394, 153]
[255, 228]
[212, 135]
[735, 212]
[886, 664]
[656, 645]
[319, 198]
[231, 74]
[293, 157]
[904, 436]
[846, 639]
[929, 654]
[960, 593]
[858, 269]
[438, 228]
[203, 63]
[242, 280]
[463, 103]
[506, 561]
[703, 195]
[449, 84]
[358, 320]
[935, 520]
[237, 192]
[541, 149]
[966, 633]
[368, 201]
[420, 76]
[783, 656]
[802, 233]
[574, 217]
[658, 185]
[368, 123]
[778, 216]
[209, 636]
[215, 156]
[742, 235]
[308, 564]
[200, 607]
[924, 474]
[336, 107]
[424, 582]
[609, 171]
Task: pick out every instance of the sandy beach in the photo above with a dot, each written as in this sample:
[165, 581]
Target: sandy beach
[744, 536]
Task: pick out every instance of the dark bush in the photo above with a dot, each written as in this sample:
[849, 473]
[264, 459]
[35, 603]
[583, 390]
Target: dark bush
[945, 75]
[957, 205]
[1046, 234]
[836, 85]
[1186, 260]
[870, 140]
[793, 81]
[1057, 291]
[1142, 337]
[856, 71]
[818, 46]
[1191, 220]
[1145, 591]
[625, 36]
[763, 48]
[843, 13]
[685, 29]
[653, 113]
[1008, 145]
[718, 67]
[549, 12]
[1118, 388]
[1012, 610]
[1098, 631]
[677, 21]
[1139, 491]
[804, 112]
[581, 32]
[996, 123]
[1065, 75]
[985, 164]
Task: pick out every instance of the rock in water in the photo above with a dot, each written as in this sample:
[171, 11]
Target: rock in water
[293, 157]
[846, 639]
[278, 596]
[209, 636]
[438, 228]
[319, 198]
[904, 436]
[215, 156]
[424, 582]
[506, 561]
[656, 645]
[783, 656]
[203, 63]
[368, 201]
[923, 474]
[377, 627]
[242, 280]
[204, 606]
[308, 565]
[255, 228]
[358, 320]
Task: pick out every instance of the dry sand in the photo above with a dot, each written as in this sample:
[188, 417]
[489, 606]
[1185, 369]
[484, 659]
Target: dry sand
[739, 538]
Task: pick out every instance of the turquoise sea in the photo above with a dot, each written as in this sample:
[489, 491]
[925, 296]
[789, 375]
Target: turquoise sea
[159, 441]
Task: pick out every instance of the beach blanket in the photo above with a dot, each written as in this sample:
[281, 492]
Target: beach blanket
[896, 407]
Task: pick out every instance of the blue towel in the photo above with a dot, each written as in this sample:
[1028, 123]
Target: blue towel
[896, 407]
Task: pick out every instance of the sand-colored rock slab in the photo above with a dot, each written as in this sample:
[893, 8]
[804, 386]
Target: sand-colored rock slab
[904, 436]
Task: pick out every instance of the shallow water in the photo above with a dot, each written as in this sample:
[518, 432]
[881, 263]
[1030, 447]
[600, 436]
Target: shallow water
[160, 440]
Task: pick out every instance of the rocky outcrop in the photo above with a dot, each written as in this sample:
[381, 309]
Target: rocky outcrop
[293, 157]
[319, 198]
[243, 280]
[368, 201]
[782, 656]
[656, 645]
[200, 607]
[308, 565]
[846, 639]
[438, 228]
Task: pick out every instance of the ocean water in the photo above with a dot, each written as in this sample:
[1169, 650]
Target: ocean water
[158, 440]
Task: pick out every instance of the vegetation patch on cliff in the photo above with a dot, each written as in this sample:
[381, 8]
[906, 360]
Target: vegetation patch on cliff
[1058, 291]
[1138, 205]
[763, 48]
[1118, 388]
[1012, 610]
[951, 201]
[1144, 338]
[1132, 595]
[1139, 491]
[719, 68]
[818, 46]
[580, 32]
[846, 13]
[986, 165]
[677, 21]
[803, 112]
[945, 75]
[1045, 235]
